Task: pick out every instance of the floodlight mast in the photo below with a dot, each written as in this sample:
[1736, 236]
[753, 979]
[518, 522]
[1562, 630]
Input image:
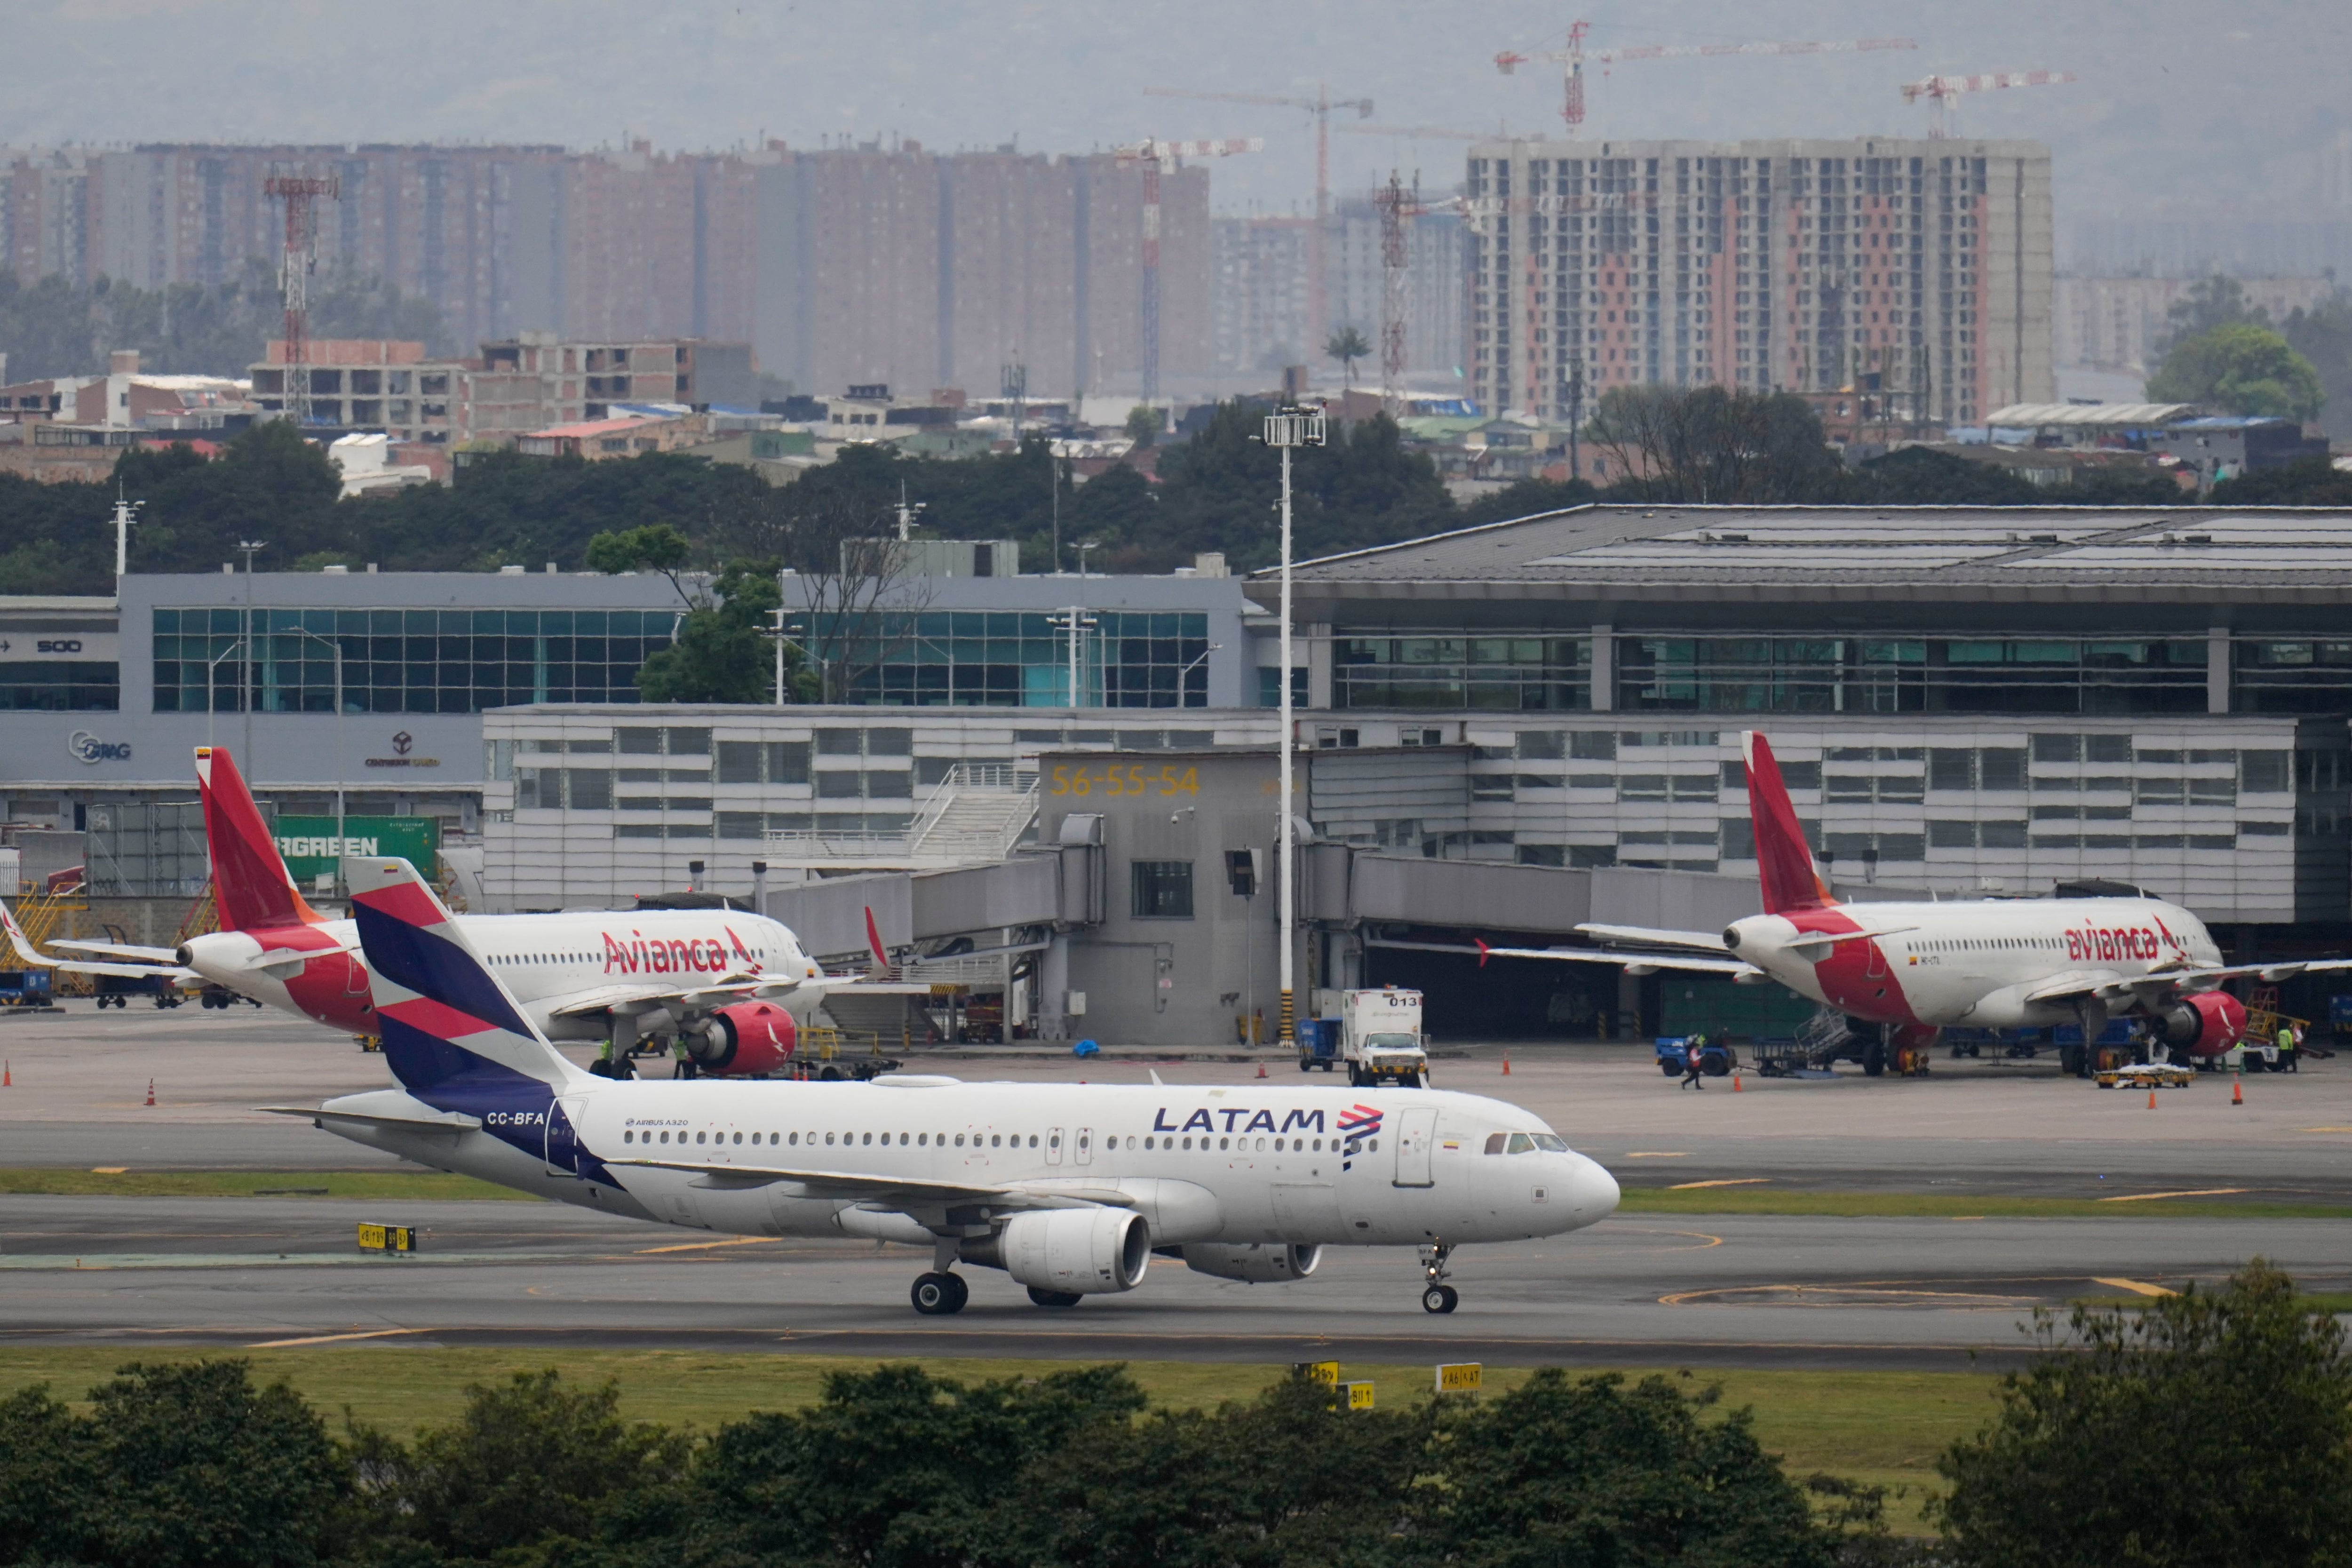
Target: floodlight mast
[1284, 429]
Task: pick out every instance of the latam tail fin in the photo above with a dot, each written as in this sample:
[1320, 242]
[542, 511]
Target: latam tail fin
[250, 883]
[1791, 880]
[452, 1032]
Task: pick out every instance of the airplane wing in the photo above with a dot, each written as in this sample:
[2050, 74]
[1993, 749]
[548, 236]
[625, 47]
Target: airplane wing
[1634, 963]
[894, 1192]
[598, 998]
[452, 1120]
[2073, 983]
[1652, 936]
[162, 955]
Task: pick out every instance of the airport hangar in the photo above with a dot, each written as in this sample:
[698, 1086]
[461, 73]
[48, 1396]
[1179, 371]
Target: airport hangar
[1511, 728]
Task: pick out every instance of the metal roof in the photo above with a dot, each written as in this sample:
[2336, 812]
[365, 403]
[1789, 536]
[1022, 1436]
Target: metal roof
[2118, 415]
[2054, 554]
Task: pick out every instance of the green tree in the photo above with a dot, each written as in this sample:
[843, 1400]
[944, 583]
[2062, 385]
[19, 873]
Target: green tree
[891, 1469]
[2312, 481]
[2212, 302]
[1347, 346]
[1593, 1471]
[2323, 334]
[1144, 424]
[724, 651]
[182, 1466]
[2240, 369]
[2212, 1427]
[655, 546]
[528, 1464]
[1289, 1480]
[1526, 499]
[1707, 444]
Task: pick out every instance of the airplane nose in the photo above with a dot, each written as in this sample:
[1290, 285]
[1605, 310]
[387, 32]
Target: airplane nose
[1595, 1191]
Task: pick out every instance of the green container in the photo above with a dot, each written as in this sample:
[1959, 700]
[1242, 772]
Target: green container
[313, 847]
[1689, 1002]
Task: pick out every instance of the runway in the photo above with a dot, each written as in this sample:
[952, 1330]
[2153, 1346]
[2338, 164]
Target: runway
[1756, 1291]
[1703, 1289]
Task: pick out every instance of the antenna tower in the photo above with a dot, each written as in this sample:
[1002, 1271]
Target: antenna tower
[300, 193]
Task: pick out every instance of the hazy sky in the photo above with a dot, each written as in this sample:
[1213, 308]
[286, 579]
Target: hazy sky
[2181, 108]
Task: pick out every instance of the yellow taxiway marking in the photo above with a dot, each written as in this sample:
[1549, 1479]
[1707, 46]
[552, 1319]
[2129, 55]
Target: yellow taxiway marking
[334, 1339]
[2324, 1130]
[2137, 1287]
[706, 1246]
[125, 1170]
[1732, 1182]
[2199, 1192]
[1667, 1154]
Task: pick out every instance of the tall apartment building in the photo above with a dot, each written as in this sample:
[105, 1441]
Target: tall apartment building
[2116, 324]
[1796, 264]
[1262, 297]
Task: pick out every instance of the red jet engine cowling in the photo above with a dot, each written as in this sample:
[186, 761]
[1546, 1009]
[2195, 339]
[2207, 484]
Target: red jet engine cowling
[2204, 1025]
[744, 1039]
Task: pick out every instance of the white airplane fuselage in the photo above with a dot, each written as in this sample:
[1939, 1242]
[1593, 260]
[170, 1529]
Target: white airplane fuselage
[1975, 964]
[546, 961]
[1302, 1165]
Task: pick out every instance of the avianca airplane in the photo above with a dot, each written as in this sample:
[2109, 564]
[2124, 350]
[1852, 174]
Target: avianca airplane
[735, 989]
[1068, 1188]
[1913, 969]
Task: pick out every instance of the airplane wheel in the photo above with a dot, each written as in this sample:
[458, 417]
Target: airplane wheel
[1053, 1297]
[1440, 1298]
[937, 1295]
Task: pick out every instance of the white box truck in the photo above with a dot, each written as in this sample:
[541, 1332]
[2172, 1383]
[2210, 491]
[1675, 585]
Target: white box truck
[1381, 1038]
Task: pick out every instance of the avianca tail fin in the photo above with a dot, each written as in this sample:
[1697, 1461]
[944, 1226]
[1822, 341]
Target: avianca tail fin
[452, 1034]
[881, 969]
[250, 884]
[1791, 880]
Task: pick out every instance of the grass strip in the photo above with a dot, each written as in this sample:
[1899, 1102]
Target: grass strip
[1881, 1428]
[1938, 1205]
[134, 1183]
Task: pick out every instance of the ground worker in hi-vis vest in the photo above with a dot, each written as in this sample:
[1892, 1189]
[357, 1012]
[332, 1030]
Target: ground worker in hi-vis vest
[2286, 1048]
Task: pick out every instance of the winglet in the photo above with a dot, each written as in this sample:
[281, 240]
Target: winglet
[1482, 949]
[1791, 880]
[250, 883]
[881, 970]
[450, 1026]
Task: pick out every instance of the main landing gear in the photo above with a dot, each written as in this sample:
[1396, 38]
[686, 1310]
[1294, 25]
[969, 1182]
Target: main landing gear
[937, 1295]
[1438, 1296]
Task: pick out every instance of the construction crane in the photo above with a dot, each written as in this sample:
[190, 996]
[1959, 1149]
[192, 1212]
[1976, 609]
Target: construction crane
[1320, 106]
[300, 193]
[1157, 156]
[1940, 90]
[1574, 57]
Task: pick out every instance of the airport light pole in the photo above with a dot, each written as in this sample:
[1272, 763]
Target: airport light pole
[1287, 429]
[336, 648]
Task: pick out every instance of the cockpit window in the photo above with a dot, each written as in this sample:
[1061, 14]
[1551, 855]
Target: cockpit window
[1551, 1142]
[1494, 1142]
[1521, 1143]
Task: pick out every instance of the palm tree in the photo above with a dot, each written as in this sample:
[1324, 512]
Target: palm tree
[1347, 346]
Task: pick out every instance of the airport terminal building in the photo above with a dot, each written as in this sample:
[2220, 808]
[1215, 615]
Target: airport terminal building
[1505, 729]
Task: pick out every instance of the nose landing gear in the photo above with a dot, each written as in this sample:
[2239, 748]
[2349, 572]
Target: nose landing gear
[1437, 1296]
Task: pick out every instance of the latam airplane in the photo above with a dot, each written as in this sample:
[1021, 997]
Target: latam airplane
[734, 988]
[1913, 969]
[1068, 1188]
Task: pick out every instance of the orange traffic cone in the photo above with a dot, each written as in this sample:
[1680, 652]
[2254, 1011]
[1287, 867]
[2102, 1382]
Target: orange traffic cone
[7, 1075]
[2151, 1099]
[1261, 1070]
[151, 1091]
[1506, 1064]
[2237, 1091]
[1735, 1080]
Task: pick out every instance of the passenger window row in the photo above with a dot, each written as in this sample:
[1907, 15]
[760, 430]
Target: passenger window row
[990, 1141]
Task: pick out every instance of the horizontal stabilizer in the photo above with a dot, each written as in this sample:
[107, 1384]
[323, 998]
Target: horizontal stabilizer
[1652, 936]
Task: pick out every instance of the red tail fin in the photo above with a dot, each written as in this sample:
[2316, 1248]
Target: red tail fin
[250, 884]
[1790, 879]
[881, 970]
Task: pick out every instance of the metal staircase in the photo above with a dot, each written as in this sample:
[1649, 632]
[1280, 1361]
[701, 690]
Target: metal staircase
[973, 816]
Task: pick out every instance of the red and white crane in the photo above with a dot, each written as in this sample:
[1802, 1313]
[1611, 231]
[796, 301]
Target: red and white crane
[1940, 90]
[1574, 57]
[1320, 106]
[1155, 156]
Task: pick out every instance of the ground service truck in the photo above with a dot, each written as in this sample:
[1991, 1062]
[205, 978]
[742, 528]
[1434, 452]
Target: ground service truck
[1381, 1038]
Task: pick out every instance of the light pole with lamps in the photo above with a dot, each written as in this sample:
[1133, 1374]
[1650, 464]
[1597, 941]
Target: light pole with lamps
[1188, 669]
[236, 646]
[336, 648]
[251, 547]
[1286, 429]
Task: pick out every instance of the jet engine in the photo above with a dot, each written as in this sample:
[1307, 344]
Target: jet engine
[2204, 1025]
[743, 1038]
[1082, 1252]
[1254, 1263]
